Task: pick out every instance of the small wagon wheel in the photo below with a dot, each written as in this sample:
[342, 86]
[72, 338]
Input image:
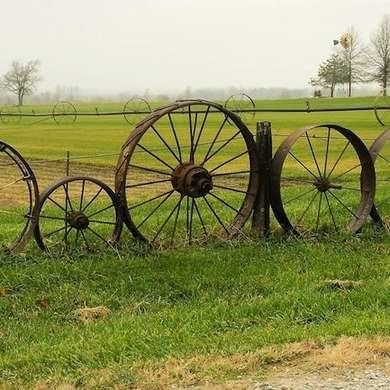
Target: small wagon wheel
[382, 110]
[135, 109]
[77, 211]
[323, 179]
[64, 113]
[380, 153]
[10, 114]
[18, 200]
[239, 102]
[188, 171]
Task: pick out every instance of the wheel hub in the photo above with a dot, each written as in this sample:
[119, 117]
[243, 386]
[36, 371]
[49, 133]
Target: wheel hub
[77, 220]
[324, 185]
[192, 180]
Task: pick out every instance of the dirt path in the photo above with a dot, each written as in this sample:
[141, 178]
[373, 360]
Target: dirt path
[350, 364]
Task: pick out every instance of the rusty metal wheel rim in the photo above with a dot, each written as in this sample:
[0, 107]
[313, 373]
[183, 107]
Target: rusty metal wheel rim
[134, 106]
[13, 164]
[10, 114]
[380, 156]
[75, 212]
[323, 180]
[382, 110]
[241, 101]
[187, 168]
[64, 113]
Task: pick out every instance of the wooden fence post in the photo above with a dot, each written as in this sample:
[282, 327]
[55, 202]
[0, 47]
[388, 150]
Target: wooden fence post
[261, 211]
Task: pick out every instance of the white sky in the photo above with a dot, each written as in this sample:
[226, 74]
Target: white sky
[166, 45]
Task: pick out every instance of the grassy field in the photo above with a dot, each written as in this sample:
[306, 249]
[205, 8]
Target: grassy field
[200, 307]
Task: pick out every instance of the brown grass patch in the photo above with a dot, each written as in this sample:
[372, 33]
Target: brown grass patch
[342, 285]
[88, 314]
[302, 356]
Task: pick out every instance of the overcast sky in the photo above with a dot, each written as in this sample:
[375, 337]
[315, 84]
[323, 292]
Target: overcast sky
[166, 45]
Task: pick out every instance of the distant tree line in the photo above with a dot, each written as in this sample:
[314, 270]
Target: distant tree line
[353, 62]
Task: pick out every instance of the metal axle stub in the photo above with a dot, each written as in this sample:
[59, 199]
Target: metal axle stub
[77, 220]
[324, 184]
[192, 180]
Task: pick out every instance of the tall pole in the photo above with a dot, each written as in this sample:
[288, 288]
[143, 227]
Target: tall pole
[350, 72]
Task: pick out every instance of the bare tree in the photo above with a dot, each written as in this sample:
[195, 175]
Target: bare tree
[353, 54]
[379, 55]
[21, 79]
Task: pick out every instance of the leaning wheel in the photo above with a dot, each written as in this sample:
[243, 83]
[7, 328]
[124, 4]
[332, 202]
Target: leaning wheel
[188, 171]
[64, 113]
[135, 110]
[323, 179]
[380, 153]
[239, 104]
[10, 115]
[77, 211]
[382, 110]
[18, 200]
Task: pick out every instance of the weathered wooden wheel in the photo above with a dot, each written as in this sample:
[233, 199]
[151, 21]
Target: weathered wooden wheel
[323, 179]
[18, 199]
[380, 153]
[77, 212]
[135, 109]
[64, 113]
[188, 171]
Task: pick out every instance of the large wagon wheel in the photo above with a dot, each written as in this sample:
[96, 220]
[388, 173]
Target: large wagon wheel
[323, 179]
[380, 153]
[64, 113]
[188, 171]
[18, 199]
[239, 103]
[135, 109]
[10, 114]
[382, 110]
[77, 212]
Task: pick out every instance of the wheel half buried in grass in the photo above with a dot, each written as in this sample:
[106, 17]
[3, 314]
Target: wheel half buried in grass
[186, 173]
[78, 212]
[64, 113]
[323, 180]
[380, 153]
[18, 200]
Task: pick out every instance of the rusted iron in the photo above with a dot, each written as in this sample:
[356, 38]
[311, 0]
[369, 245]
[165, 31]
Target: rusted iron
[185, 182]
[77, 212]
[382, 110]
[380, 153]
[334, 195]
[64, 113]
[135, 109]
[243, 105]
[19, 196]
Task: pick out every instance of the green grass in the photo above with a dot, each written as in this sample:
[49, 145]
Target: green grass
[213, 300]
[34, 138]
[218, 299]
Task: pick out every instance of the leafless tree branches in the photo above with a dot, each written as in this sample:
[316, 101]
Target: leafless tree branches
[21, 79]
